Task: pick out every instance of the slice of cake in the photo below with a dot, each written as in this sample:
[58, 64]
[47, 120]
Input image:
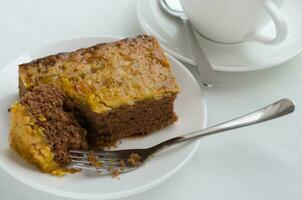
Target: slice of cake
[117, 89]
[42, 132]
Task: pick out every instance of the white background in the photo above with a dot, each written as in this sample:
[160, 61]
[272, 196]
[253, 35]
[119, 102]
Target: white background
[258, 162]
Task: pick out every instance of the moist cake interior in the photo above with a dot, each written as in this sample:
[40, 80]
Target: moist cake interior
[127, 121]
[61, 129]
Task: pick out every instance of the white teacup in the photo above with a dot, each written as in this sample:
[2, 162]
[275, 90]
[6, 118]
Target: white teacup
[234, 21]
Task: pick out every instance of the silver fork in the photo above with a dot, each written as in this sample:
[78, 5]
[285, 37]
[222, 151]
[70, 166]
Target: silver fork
[111, 160]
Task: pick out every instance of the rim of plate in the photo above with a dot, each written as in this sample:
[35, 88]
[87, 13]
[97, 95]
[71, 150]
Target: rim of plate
[145, 29]
[134, 191]
[255, 67]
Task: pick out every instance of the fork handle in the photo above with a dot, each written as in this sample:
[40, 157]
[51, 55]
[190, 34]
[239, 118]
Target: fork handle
[272, 111]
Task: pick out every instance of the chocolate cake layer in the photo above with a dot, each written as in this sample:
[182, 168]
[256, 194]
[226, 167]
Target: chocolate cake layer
[61, 129]
[139, 119]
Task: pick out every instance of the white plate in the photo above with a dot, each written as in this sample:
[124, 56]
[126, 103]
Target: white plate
[239, 57]
[190, 107]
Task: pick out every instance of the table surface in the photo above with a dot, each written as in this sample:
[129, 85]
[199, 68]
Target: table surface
[262, 162]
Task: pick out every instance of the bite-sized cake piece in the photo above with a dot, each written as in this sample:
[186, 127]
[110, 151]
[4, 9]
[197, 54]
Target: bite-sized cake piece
[42, 132]
[118, 89]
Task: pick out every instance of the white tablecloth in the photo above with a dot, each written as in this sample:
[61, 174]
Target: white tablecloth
[258, 162]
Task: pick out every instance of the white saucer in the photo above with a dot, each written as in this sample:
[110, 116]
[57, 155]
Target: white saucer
[189, 106]
[239, 57]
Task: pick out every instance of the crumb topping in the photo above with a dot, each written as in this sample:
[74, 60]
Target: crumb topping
[108, 75]
[134, 159]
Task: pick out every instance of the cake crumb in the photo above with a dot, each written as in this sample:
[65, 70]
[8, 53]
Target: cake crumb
[73, 170]
[115, 173]
[94, 160]
[134, 159]
[42, 118]
[122, 165]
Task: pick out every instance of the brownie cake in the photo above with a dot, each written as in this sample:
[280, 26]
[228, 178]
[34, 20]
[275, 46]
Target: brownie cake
[116, 90]
[42, 132]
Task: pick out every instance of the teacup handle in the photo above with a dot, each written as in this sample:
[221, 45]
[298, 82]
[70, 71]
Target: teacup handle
[280, 26]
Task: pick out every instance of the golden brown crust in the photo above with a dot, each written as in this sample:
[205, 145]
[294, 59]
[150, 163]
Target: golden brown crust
[26, 138]
[106, 75]
[52, 59]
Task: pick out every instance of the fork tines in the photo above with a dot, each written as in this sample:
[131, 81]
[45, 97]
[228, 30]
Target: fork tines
[105, 162]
